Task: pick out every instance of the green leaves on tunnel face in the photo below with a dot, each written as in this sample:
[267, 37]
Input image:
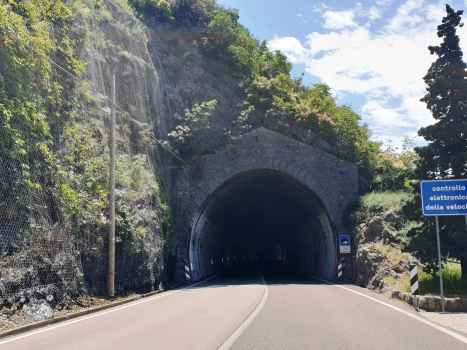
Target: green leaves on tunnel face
[191, 136]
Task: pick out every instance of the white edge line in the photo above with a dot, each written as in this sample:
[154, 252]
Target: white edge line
[45, 329]
[429, 323]
[235, 335]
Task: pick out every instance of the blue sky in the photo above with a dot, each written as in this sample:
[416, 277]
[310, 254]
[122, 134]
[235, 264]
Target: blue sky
[373, 54]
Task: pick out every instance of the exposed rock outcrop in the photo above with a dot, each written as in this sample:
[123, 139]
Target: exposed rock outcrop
[380, 264]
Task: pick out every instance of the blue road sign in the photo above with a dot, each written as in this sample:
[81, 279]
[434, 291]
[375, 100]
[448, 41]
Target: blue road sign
[344, 244]
[444, 197]
[344, 240]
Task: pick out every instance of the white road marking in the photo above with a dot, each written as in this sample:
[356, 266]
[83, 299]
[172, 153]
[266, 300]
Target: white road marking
[429, 323]
[229, 342]
[46, 329]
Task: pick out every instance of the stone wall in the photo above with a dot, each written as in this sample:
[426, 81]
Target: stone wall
[433, 303]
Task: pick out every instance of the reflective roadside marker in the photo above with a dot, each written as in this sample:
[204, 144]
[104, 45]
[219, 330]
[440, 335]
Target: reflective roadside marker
[414, 285]
[340, 268]
[414, 280]
[212, 263]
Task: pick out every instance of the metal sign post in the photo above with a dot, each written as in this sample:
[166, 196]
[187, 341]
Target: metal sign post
[446, 198]
[440, 266]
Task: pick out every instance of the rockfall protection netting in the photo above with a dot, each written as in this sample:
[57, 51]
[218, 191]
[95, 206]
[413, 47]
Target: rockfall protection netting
[54, 158]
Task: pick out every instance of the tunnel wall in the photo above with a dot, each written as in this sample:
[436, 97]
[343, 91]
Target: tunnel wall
[332, 180]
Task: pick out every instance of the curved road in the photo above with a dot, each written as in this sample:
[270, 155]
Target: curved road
[236, 310]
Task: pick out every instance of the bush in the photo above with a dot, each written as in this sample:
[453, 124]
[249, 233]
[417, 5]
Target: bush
[453, 284]
[158, 10]
[377, 202]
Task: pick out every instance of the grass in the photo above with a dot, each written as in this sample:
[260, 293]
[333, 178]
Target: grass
[393, 254]
[382, 201]
[404, 284]
[454, 286]
[376, 202]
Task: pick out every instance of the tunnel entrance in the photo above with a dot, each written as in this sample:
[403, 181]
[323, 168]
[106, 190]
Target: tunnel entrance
[262, 215]
[265, 195]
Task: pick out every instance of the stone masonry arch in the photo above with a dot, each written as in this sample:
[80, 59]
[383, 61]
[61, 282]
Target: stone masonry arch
[289, 185]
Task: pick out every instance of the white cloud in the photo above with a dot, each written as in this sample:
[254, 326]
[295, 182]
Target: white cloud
[406, 16]
[374, 13]
[291, 47]
[384, 65]
[299, 14]
[338, 20]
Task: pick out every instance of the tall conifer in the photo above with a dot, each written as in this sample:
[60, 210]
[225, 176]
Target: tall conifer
[445, 157]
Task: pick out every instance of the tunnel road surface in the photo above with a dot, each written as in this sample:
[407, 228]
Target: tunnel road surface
[236, 310]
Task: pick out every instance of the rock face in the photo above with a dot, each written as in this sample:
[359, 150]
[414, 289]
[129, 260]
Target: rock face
[379, 264]
[39, 310]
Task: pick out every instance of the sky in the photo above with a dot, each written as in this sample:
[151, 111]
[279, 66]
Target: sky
[373, 54]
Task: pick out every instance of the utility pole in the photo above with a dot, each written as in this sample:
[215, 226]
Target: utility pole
[111, 271]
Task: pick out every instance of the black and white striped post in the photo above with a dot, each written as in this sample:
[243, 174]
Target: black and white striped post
[340, 268]
[414, 285]
[187, 273]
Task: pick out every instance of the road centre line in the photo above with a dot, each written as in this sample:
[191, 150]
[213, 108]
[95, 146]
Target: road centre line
[429, 323]
[45, 329]
[238, 332]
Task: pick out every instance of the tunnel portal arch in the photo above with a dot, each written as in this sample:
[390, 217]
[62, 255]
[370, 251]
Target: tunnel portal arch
[266, 189]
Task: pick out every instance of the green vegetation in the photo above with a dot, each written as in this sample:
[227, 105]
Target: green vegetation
[35, 100]
[378, 202]
[52, 146]
[453, 283]
[445, 157]
[375, 202]
[271, 96]
[394, 255]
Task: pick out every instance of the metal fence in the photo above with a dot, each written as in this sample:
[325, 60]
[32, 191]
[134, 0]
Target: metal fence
[54, 158]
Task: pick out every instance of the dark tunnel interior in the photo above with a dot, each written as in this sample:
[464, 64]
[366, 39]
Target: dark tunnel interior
[262, 215]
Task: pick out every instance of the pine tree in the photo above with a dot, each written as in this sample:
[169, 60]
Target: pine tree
[445, 157]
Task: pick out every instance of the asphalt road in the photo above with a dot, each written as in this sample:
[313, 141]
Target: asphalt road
[236, 309]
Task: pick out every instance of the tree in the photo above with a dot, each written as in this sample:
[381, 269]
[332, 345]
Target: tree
[445, 157]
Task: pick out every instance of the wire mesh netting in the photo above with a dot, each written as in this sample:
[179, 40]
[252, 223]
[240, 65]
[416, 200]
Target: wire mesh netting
[54, 152]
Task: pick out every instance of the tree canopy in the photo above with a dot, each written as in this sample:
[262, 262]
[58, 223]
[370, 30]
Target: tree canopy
[445, 157]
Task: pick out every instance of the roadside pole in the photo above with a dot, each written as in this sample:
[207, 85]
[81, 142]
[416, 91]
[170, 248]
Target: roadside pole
[111, 271]
[414, 285]
[440, 266]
